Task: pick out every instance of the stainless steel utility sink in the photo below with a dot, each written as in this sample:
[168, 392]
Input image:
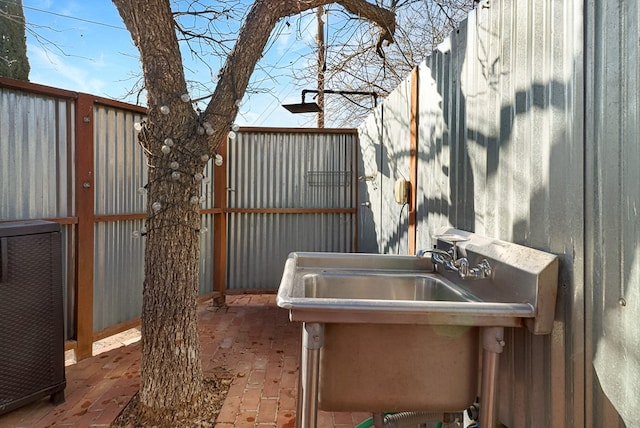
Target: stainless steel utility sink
[391, 289]
[386, 333]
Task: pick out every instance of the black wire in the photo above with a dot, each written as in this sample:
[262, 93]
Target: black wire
[399, 223]
[72, 17]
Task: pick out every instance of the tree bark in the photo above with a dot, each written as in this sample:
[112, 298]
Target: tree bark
[171, 372]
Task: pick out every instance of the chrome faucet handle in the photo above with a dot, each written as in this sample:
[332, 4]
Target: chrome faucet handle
[463, 267]
[483, 270]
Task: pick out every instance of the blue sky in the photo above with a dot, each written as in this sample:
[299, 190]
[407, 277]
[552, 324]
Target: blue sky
[83, 46]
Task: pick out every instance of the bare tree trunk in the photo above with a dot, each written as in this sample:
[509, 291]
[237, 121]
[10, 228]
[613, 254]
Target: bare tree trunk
[171, 370]
[178, 142]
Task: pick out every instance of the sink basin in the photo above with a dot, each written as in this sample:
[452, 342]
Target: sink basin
[393, 286]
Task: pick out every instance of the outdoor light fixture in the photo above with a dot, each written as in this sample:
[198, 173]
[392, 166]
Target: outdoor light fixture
[313, 107]
[303, 107]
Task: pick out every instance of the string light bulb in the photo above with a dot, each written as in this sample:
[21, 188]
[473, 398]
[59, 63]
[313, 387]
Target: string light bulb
[231, 135]
[175, 176]
[156, 206]
[218, 161]
[185, 98]
[165, 110]
[235, 127]
[137, 126]
[174, 165]
[198, 176]
[142, 190]
[165, 149]
[168, 142]
[204, 158]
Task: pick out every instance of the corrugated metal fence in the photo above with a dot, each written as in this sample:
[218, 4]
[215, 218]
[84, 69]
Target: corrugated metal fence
[612, 251]
[287, 191]
[74, 158]
[524, 135]
[37, 168]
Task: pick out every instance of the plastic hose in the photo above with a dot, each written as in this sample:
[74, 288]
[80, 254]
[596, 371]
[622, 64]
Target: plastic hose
[365, 424]
[405, 419]
[411, 419]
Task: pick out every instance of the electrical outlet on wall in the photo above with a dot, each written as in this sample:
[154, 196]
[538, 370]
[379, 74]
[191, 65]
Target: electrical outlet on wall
[401, 191]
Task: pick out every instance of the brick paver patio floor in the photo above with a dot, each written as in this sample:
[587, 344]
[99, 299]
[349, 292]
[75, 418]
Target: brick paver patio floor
[251, 337]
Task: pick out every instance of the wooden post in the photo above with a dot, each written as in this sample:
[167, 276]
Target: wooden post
[85, 212]
[413, 159]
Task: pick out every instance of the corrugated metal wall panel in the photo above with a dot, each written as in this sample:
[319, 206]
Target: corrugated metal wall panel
[119, 270]
[369, 179]
[120, 164]
[118, 273]
[261, 243]
[500, 153]
[613, 222]
[36, 170]
[275, 170]
[206, 254]
[120, 170]
[291, 170]
[36, 156]
[384, 142]
[394, 166]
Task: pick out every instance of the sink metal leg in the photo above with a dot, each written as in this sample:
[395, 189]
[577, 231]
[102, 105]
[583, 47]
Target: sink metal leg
[378, 420]
[312, 341]
[492, 346]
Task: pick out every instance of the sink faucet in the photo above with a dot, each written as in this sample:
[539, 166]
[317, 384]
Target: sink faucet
[449, 260]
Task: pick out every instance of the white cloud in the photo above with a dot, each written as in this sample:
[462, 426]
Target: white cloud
[61, 72]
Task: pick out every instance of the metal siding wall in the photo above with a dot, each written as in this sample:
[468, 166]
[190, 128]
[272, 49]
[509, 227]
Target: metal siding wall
[260, 243]
[384, 147]
[36, 170]
[206, 255]
[612, 223]
[369, 179]
[36, 156]
[282, 170]
[286, 170]
[120, 169]
[119, 273]
[120, 165]
[395, 165]
[501, 154]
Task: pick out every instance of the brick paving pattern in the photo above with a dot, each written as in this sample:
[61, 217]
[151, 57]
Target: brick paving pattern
[251, 337]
